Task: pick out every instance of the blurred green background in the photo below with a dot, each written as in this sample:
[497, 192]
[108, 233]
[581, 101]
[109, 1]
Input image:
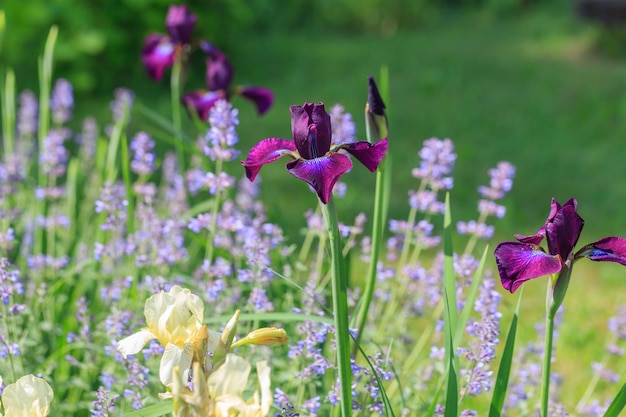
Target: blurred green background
[512, 80]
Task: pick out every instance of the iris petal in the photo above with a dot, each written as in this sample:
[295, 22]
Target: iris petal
[608, 249]
[563, 228]
[157, 55]
[532, 239]
[366, 153]
[265, 152]
[202, 101]
[261, 97]
[320, 173]
[519, 262]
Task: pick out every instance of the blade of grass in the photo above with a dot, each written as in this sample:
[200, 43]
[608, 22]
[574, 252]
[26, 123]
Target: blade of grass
[477, 279]
[450, 315]
[502, 380]
[618, 403]
[8, 113]
[379, 382]
[155, 410]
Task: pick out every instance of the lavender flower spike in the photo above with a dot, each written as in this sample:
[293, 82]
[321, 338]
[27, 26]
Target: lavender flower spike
[524, 260]
[315, 158]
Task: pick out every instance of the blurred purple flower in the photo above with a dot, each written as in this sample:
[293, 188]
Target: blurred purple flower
[521, 261]
[159, 51]
[315, 161]
[219, 76]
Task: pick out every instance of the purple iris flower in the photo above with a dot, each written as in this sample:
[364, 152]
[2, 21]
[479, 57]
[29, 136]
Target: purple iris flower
[315, 158]
[159, 51]
[219, 76]
[524, 260]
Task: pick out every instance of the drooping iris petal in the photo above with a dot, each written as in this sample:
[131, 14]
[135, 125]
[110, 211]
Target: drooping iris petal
[261, 97]
[519, 262]
[157, 55]
[563, 228]
[532, 239]
[366, 153]
[265, 152]
[180, 23]
[320, 173]
[202, 101]
[608, 249]
[302, 119]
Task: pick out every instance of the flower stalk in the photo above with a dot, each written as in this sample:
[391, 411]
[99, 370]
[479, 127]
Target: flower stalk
[376, 129]
[340, 307]
[175, 83]
[547, 352]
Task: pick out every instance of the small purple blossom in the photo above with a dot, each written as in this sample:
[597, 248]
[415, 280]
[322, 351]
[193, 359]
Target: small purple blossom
[142, 147]
[62, 101]
[437, 160]
[27, 115]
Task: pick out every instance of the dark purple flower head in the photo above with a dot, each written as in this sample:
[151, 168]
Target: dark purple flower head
[180, 23]
[159, 51]
[157, 55]
[219, 76]
[219, 72]
[315, 158]
[521, 261]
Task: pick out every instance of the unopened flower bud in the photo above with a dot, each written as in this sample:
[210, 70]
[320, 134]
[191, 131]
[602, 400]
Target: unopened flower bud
[375, 115]
[264, 336]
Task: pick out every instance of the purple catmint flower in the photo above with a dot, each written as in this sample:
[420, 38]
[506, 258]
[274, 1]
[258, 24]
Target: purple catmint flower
[61, 101]
[53, 157]
[122, 103]
[104, 405]
[501, 181]
[142, 147]
[27, 115]
[260, 301]
[88, 138]
[10, 284]
[437, 160]
[221, 137]
[113, 203]
[342, 124]
[480, 230]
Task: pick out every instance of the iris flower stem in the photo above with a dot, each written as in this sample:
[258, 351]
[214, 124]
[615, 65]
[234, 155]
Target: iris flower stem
[340, 307]
[377, 232]
[176, 109]
[547, 352]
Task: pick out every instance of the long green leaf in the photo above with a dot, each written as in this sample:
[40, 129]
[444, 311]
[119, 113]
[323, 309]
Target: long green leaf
[450, 315]
[477, 279]
[154, 410]
[379, 382]
[502, 380]
[618, 404]
[270, 317]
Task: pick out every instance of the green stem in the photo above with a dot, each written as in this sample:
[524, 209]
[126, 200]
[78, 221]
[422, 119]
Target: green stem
[175, 83]
[340, 307]
[210, 238]
[377, 232]
[8, 113]
[130, 208]
[547, 352]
